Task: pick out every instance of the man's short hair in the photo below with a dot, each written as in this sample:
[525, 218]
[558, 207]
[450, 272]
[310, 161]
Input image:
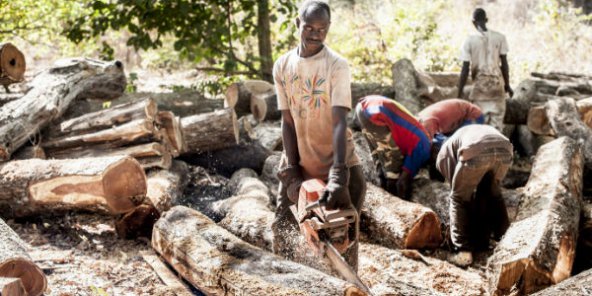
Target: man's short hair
[310, 6]
[479, 15]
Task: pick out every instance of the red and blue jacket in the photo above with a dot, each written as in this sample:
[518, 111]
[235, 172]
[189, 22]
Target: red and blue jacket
[411, 137]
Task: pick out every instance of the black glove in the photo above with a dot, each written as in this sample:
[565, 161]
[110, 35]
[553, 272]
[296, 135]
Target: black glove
[336, 194]
[509, 90]
[291, 178]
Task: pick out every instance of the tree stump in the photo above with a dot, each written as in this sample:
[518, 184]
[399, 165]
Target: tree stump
[209, 131]
[12, 64]
[249, 97]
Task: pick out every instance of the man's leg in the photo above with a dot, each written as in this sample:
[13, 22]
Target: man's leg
[357, 191]
[497, 207]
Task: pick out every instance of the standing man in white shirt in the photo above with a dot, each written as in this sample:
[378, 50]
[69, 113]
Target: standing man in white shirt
[484, 54]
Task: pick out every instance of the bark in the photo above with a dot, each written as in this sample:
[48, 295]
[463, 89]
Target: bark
[264, 40]
[564, 120]
[247, 214]
[363, 152]
[9, 97]
[269, 134]
[396, 223]
[12, 64]
[217, 262]
[209, 131]
[173, 133]
[52, 92]
[406, 85]
[12, 287]
[538, 121]
[538, 248]
[32, 187]
[226, 161]
[16, 262]
[392, 272]
[164, 188]
[577, 285]
[269, 176]
[182, 104]
[249, 97]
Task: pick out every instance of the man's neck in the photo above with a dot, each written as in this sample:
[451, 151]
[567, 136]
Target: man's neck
[303, 53]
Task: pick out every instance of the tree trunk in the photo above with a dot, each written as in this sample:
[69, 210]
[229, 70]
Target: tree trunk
[264, 40]
[12, 64]
[52, 92]
[249, 97]
[16, 262]
[173, 132]
[35, 186]
[12, 287]
[209, 131]
[363, 152]
[406, 86]
[538, 122]
[217, 262]
[538, 248]
[164, 188]
[395, 272]
[396, 223]
[247, 214]
[269, 134]
[269, 176]
[577, 285]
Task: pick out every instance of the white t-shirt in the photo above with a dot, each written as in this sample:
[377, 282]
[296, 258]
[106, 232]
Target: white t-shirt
[309, 87]
[483, 50]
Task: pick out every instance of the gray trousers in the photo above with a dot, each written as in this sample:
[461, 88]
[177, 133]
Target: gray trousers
[477, 208]
[286, 232]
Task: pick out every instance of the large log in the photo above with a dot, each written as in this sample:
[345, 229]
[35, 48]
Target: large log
[247, 214]
[173, 132]
[52, 92]
[209, 131]
[406, 85]
[396, 223]
[395, 272]
[12, 64]
[16, 262]
[249, 96]
[107, 184]
[538, 121]
[12, 287]
[217, 262]
[577, 285]
[164, 188]
[269, 134]
[269, 176]
[539, 247]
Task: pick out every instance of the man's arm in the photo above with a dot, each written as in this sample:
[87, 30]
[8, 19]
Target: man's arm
[289, 138]
[339, 132]
[506, 74]
[464, 74]
[337, 192]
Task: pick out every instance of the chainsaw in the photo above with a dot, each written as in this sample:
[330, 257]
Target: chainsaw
[327, 232]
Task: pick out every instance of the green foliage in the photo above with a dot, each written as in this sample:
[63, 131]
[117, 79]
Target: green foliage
[219, 32]
[131, 83]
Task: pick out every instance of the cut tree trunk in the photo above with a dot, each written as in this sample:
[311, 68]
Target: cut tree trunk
[173, 132]
[396, 223]
[577, 285]
[12, 64]
[209, 131]
[269, 176]
[12, 287]
[164, 188]
[249, 97]
[538, 122]
[539, 247]
[107, 184]
[52, 92]
[269, 134]
[247, 214]
[16, 262]
[395, 272]
[217, 262]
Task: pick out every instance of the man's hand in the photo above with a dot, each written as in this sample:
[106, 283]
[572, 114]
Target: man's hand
[509, 90]
[336, 194]
[291, 178]
[404, 185]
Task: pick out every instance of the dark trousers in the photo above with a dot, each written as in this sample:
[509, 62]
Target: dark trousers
[286, 232]
[477, 208]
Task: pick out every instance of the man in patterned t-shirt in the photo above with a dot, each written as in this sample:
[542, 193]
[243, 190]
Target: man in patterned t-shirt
[313, 89]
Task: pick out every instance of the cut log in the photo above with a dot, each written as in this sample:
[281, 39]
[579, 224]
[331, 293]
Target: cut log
[12, 64]
[170, 279]
[217, 262]
[210, 131]
[538, 122]
[561, 76]
[164, 188]
[9, 97]
[249, 97]
[396, 223]
[539, 247]
[578, 285]
[15, 262]
[393, 272]
[12, 287]
[226, 161]
[247, 214]
[31, 187]
[269, 176]
[52, 92]
[172, 131]
[269, 134]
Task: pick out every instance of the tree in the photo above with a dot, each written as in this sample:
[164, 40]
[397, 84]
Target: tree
[222, 32]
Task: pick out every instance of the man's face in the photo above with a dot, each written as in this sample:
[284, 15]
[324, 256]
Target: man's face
[313, 30]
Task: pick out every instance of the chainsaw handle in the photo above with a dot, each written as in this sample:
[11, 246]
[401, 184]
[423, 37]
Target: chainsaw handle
[314, 205]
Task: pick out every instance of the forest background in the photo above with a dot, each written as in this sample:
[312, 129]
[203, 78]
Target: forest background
[222, 41]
